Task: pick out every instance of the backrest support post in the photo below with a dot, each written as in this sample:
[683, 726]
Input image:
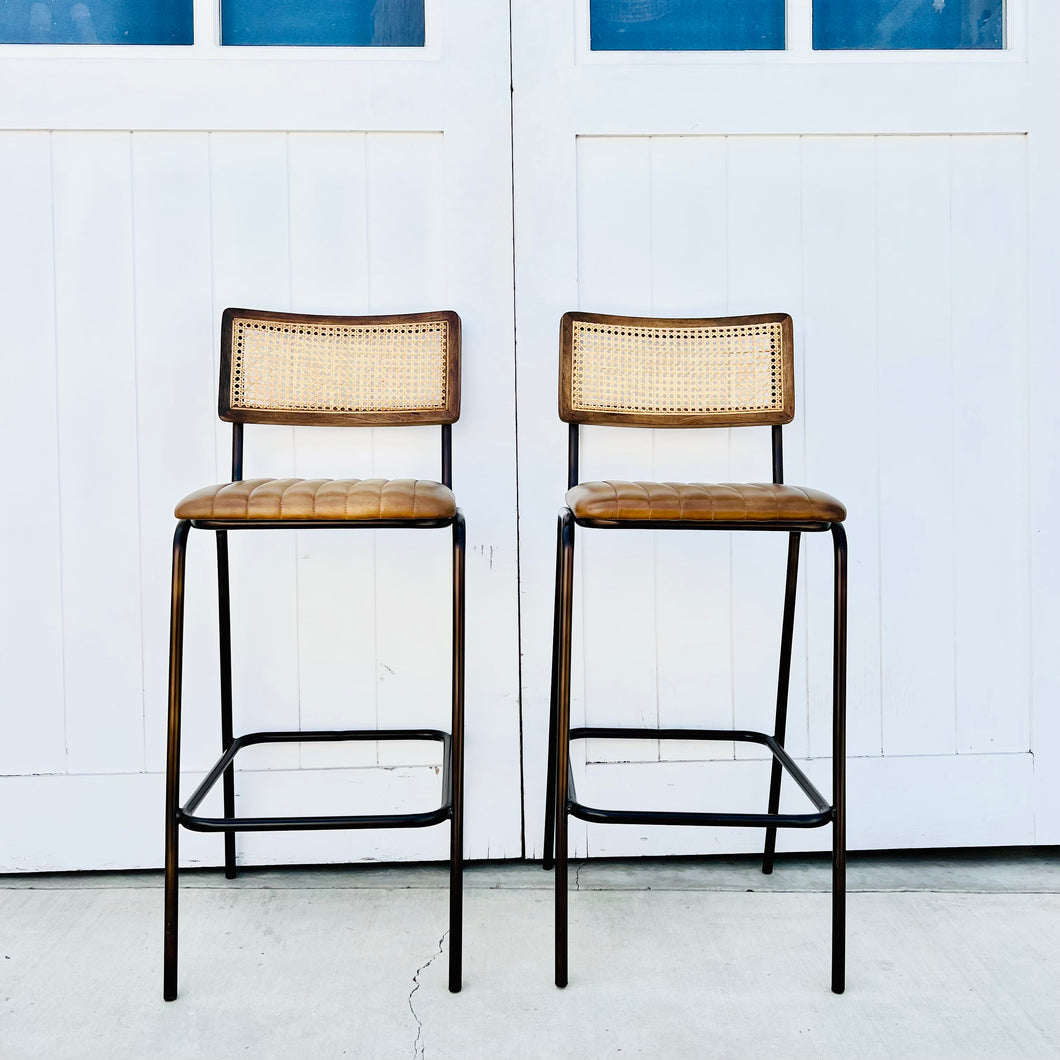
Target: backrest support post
[572, 456]
[447, 455]
[237, 452]
[778, 454]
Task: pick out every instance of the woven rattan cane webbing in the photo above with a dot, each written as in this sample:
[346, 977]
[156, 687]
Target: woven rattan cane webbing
[640, 371]
[324, 369]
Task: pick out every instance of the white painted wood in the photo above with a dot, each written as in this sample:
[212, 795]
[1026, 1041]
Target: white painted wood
[961, 789]
[251, 247]
[400, 789]
[396, 195]
[916, 444]
[480, 286]
[407, 271]
[177, 407]
[839, 399]
[98, 465]
[329, 223]
[856, 189]
[763, 233]
[990, 338]
[1043, 157]
[617, 570]
[939, 799]
[31, 629]
[336, 571]
[916, 190]
[134, 798]
[694, 584]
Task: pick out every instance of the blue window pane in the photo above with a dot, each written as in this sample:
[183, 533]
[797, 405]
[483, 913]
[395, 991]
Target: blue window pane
[948, 24]
[346, 23]
[686, 25]
[95, 22]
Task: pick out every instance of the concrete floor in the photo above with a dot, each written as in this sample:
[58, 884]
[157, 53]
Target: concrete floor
[950, 957]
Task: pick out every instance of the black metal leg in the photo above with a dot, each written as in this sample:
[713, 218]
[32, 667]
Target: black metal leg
[783, 680]
[562, 764]
[548, 853]
[456, 849]
[839, 708]
[224, 623]
[176, 659]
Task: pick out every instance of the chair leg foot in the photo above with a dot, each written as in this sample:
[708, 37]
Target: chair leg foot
[169, 948]
[230, 854]
[456, 931]
[769, 854]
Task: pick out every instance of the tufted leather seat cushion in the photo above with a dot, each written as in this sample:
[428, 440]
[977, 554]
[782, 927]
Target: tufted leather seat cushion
[750, 502]
[325, 499]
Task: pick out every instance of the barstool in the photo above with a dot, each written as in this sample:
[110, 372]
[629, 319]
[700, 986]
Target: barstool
[723, 372]
[297, 369]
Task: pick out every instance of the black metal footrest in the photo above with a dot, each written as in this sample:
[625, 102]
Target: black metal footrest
[186, 814]
[824, 815]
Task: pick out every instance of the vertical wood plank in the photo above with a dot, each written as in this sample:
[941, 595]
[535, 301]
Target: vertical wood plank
[617, 580]
[839, 406]
[329, 223]
[406, 222]
[764, 250]
[336, 576]
[98, 451]
[176, 397]
[916, 444]
[407, 271]
[990, 542]
[1043, 162]
[694, 583]
[480, 285]
[31, 623]
[251, 249]
[689, 266]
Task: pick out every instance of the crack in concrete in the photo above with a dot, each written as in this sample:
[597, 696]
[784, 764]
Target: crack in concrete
[417, 1045]
[578, 875]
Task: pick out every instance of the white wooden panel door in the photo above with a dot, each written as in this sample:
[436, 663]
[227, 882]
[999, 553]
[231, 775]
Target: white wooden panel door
[143, 190]
[902, 207]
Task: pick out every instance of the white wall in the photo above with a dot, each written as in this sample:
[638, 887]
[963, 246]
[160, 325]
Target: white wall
[141, 192]
[903, 210]
[900, 207]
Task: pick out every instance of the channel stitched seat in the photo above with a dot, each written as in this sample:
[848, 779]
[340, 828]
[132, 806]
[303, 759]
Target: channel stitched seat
[338, 499]
[696, 502]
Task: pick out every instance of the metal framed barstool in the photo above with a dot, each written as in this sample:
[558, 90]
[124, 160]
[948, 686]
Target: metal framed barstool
[722, 372]
[285, 368]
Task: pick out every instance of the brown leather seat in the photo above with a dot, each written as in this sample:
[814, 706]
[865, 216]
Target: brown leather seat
[327, 500]
[701, 502]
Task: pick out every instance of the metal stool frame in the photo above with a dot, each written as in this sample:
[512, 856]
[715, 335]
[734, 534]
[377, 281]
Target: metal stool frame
[451, 807]
[560, 798]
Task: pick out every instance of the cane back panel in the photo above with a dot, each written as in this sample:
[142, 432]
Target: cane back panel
[659, 372]
[296, 368]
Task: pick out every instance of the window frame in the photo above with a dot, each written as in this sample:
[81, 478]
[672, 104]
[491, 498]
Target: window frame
[799, 50]
[206, 44]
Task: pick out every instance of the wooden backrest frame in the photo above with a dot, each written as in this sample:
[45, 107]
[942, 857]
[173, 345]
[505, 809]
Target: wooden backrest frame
[783, 402]
[446, 412]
